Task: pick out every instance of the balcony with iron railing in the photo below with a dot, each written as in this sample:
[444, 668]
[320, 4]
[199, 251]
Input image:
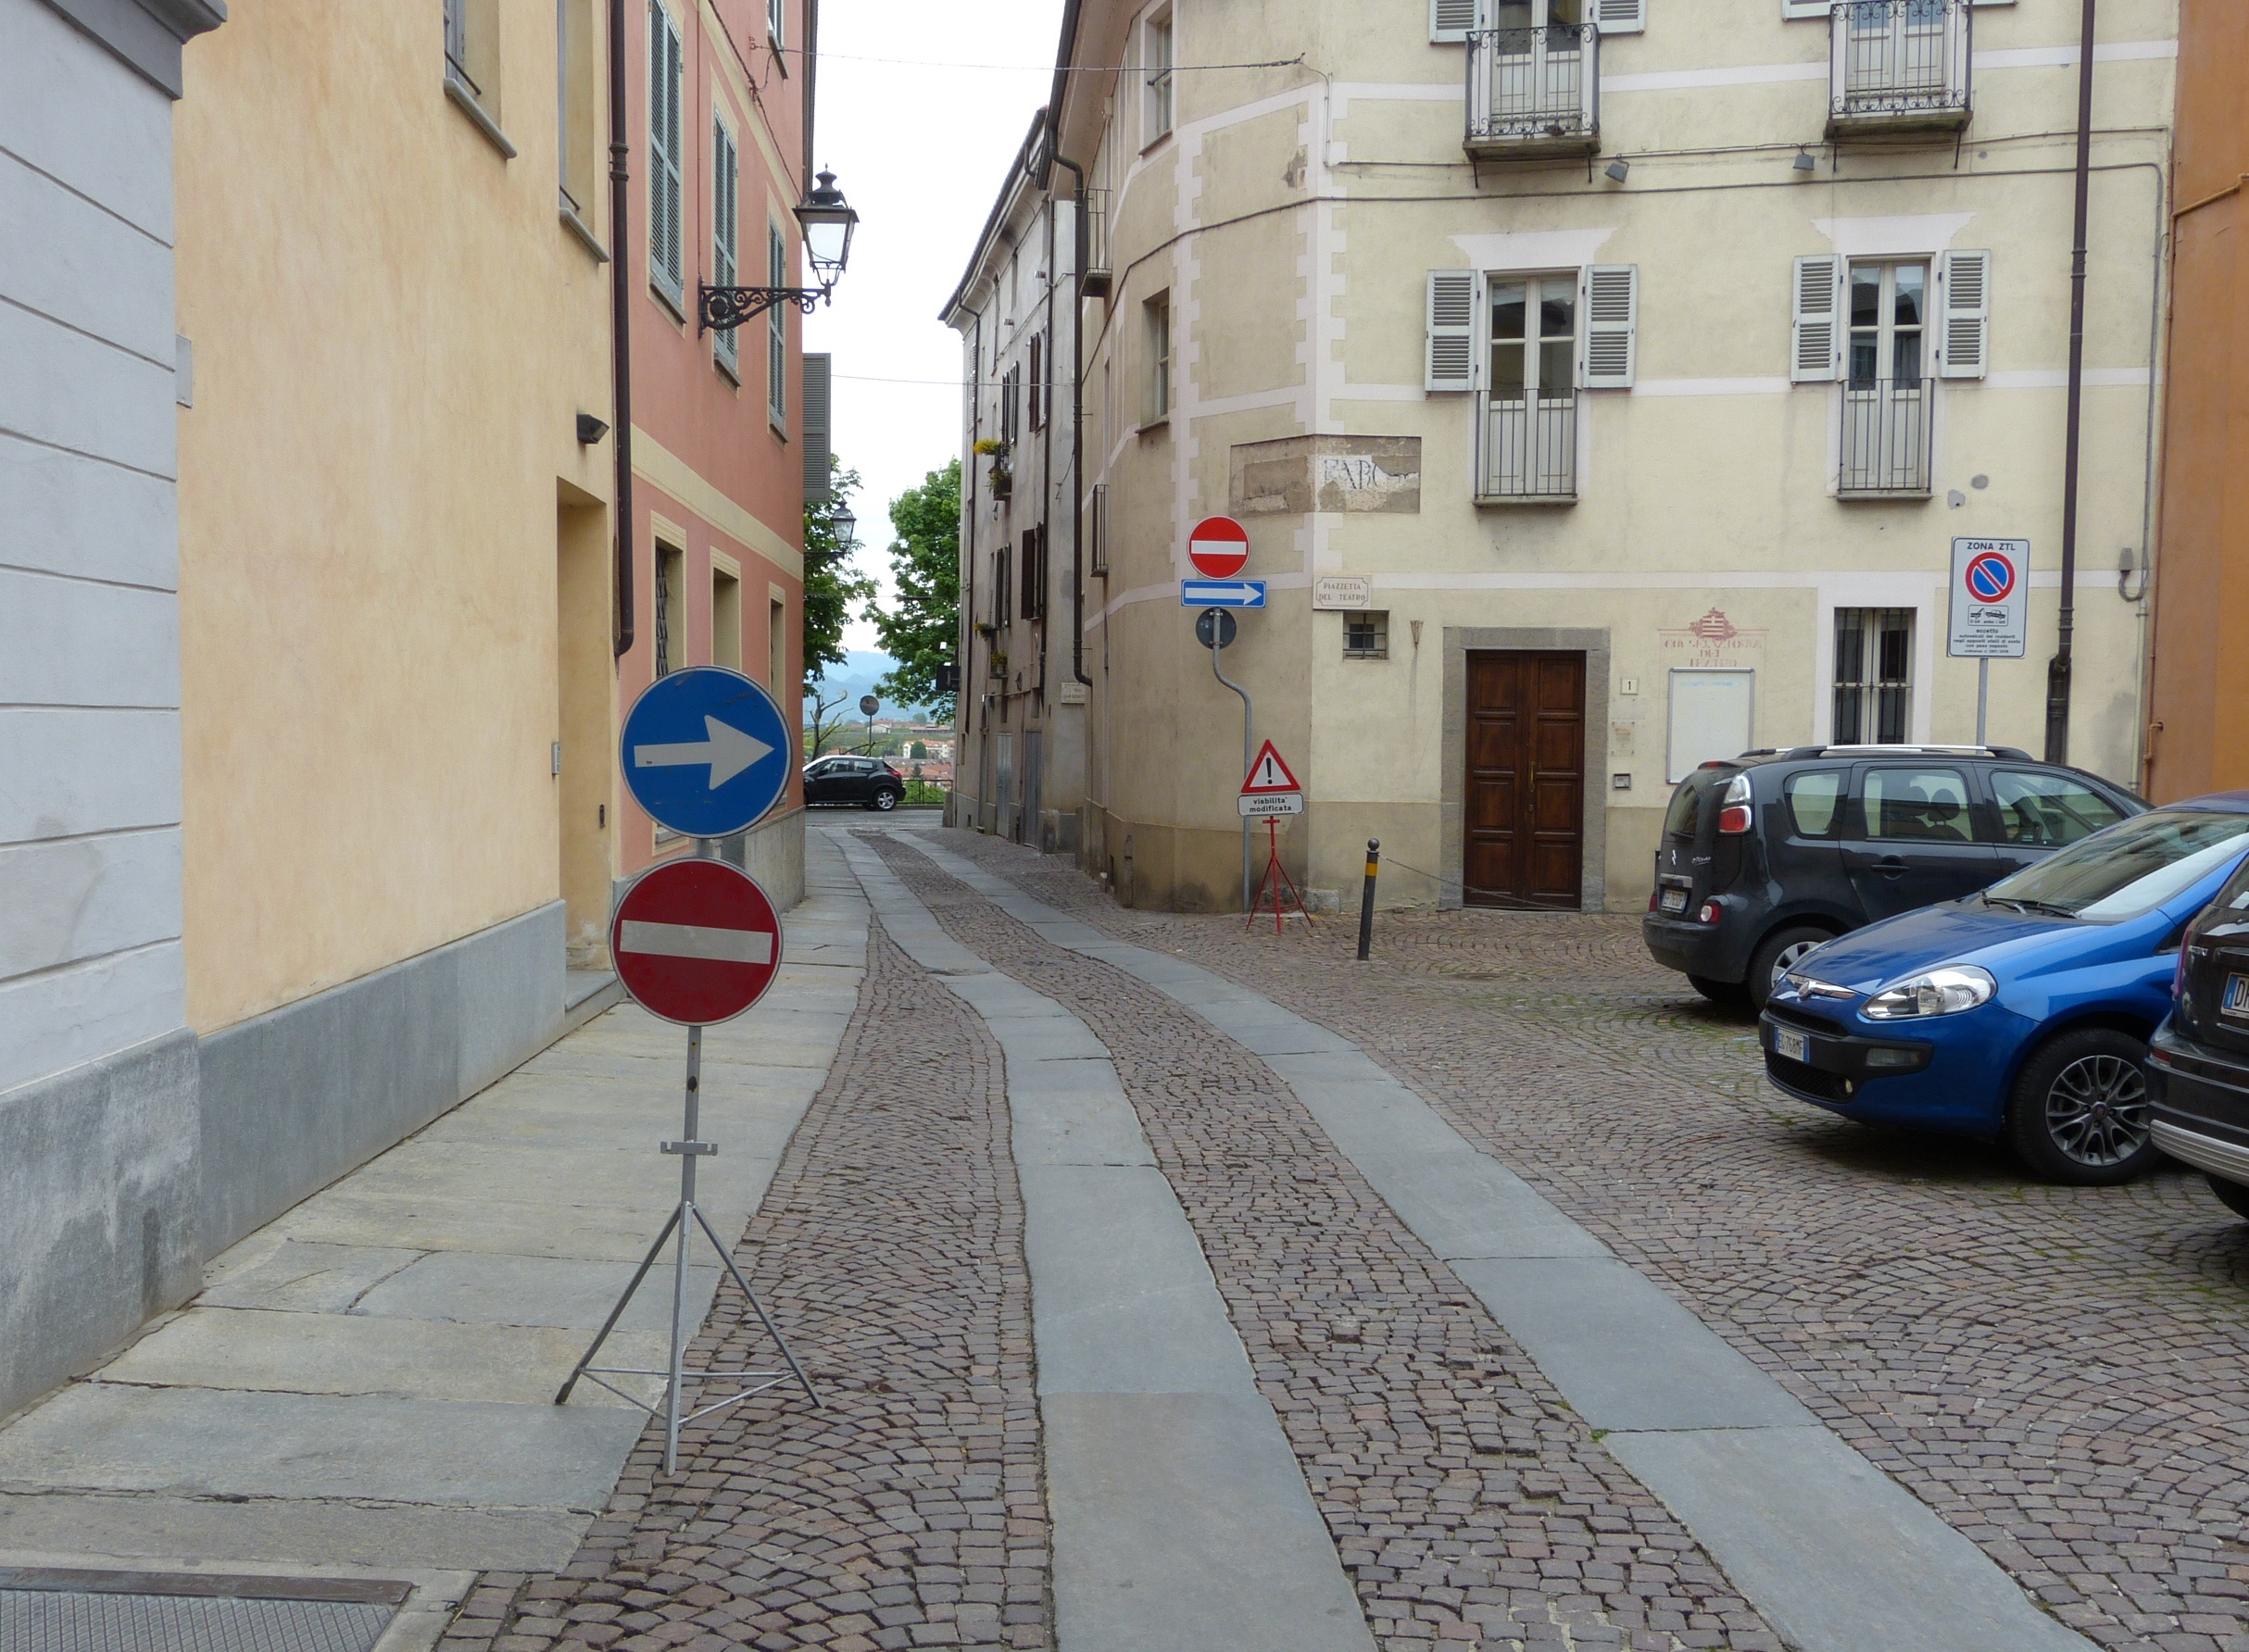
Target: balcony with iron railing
[1534, 91]
[1885, 444]
[1898, 66]
[1098, 273]
[1527, 448]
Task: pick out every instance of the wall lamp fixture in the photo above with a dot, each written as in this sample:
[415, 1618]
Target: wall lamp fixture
[1615, 171]
[827, 220]
[1803, 161]
[590, 430]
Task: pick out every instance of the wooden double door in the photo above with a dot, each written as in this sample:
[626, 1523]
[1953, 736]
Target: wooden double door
[1522, 824]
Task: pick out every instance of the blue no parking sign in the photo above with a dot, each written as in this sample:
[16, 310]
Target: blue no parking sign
[705, 751]
[1990, 602]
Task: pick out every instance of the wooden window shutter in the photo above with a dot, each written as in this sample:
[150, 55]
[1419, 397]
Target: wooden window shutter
[1967, 298]
[1806, 8]
[724, 195]
[1816, 354]
[1621, 16]
[816, 437]
[1450, 21]
[664, 211]
[1451, 361]
[1612, 322]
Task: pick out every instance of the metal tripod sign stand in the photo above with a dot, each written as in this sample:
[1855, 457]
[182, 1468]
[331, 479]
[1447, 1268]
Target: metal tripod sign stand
[1270, 792]
[696, 943]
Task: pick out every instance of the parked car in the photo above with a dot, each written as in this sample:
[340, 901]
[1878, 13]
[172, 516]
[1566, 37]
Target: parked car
[2198, 1061]
[1765, 855]
[2020, 1014]
[868, 781]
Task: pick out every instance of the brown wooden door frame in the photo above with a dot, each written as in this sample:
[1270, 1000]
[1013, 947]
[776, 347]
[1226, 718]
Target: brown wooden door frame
[1522, 797]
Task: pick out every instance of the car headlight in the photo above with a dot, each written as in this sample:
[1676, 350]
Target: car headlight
[1948, 991]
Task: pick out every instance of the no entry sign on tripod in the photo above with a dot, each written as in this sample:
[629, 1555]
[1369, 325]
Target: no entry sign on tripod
[697, 941]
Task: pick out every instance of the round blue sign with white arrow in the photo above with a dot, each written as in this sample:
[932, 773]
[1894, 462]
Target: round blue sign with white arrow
[705, 751]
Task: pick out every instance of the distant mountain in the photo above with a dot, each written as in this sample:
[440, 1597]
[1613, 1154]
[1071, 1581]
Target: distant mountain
[859, 676]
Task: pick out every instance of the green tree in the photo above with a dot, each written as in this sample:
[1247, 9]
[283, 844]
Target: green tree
[919, 751]
[832, 583]
[921, 631]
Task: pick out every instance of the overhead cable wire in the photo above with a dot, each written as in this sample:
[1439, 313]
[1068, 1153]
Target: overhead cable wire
[1048, 68]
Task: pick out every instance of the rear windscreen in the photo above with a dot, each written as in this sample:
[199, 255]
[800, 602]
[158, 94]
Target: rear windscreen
[1686, 811]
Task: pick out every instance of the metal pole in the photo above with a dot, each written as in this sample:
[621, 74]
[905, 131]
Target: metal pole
[1983, 698]
[1247, 756]
[2058, 667]
[679, 1268]
[1366, 895]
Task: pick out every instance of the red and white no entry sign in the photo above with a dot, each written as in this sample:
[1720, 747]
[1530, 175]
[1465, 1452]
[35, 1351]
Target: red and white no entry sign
[696, 941]
[1218, 547]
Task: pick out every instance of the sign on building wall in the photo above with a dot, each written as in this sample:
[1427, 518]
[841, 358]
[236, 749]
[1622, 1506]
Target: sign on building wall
[1342, 592]
[1295, 474]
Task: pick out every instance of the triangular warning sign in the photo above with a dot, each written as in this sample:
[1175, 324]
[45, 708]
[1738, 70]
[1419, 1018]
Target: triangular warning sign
[1268, 775]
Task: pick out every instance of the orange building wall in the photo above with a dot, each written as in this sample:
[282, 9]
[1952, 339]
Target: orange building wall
[2199, 692]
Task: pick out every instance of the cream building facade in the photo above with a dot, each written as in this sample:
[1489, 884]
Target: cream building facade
[1601, 394]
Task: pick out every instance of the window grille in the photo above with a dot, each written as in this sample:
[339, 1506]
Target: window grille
[1873, 676]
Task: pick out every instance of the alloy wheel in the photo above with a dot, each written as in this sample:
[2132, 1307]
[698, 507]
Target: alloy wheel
[2096, 1110]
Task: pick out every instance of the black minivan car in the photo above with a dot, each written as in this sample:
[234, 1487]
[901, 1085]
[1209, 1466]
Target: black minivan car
[2198, 1061]
[1766, 855]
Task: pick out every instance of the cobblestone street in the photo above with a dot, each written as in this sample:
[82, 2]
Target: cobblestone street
[2055, 1371]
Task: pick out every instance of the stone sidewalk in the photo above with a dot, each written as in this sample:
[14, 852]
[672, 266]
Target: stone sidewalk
[365, 1388]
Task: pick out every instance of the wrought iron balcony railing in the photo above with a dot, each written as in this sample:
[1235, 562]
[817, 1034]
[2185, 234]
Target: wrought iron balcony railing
[1896, 66]
[1886, 438]
[1527, 449]
[1534, 91]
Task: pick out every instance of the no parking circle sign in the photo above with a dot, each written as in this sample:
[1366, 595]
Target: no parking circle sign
[1991, 608]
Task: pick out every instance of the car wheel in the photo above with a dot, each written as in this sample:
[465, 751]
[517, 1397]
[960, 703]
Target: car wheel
[2080, 1111]
[1777, 954]
[885, 800]
[1728, 993]
[2231, 1194]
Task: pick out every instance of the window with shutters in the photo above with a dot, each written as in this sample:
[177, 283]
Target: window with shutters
[1156, 77]
[1965, 294]
[1898, 66]
[1156, 337]
[1534, 78]
[1037, 381]
[671, 631]
[665, 269]
[1528, 424]
[725, 177]
[1886, 386]
[776, 332]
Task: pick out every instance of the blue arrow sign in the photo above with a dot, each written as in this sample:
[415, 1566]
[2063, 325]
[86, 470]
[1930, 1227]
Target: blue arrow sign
[705, 751]
[1222, 593]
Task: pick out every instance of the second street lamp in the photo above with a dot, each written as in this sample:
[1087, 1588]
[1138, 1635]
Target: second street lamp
[827, 220]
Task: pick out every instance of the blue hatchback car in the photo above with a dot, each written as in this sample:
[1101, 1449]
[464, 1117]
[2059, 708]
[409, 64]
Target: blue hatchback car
[2019, 1014]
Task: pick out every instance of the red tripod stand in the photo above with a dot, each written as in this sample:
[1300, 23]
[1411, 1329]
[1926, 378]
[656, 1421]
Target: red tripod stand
[1276, 880]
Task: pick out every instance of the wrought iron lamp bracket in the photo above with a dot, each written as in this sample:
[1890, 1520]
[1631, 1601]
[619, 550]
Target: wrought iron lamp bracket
[721, 309]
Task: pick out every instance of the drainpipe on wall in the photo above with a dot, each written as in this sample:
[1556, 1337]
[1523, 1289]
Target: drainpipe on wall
[2058, 669]
[620, 345]
[1046, 475]
[1079, 250]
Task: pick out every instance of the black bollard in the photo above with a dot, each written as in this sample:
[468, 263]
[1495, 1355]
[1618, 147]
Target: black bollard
[1367, 897]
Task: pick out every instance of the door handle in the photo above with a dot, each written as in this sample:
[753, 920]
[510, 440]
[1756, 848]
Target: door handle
[1891, 866]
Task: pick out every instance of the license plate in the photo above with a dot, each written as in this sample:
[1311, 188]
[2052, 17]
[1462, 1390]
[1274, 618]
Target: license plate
[2237, 996]
[1792, 1045]
[1675, 900]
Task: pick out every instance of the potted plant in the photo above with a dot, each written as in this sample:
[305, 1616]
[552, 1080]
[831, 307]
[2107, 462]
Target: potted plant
[1001, 475]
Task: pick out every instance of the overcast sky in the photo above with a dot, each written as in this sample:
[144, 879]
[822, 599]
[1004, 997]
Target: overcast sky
[919, 143]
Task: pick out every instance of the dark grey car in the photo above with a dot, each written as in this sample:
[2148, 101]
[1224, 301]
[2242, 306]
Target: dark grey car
[868, 781]
[1764, 855]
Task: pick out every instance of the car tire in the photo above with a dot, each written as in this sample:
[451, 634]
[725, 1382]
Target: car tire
[2080, 1111]
[1776, 954]
[2231, 1194]
[1728, 993]
[886, 800]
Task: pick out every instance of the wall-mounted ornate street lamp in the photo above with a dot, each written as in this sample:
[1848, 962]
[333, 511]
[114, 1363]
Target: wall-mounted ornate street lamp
[827, 220]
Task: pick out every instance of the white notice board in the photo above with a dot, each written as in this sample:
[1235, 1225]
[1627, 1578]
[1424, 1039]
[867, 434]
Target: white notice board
[1711, 715]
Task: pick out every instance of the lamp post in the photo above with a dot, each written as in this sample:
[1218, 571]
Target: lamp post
[827, 222]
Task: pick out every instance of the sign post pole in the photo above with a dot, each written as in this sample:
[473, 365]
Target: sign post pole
[1216, 644]
[1984, 696]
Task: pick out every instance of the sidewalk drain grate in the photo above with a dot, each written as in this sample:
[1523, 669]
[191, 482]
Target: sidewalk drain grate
[114, 1612]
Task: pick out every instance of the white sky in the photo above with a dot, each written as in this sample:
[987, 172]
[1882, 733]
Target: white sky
[919, 146]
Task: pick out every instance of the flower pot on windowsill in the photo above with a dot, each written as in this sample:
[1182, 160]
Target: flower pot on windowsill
[999, 663]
